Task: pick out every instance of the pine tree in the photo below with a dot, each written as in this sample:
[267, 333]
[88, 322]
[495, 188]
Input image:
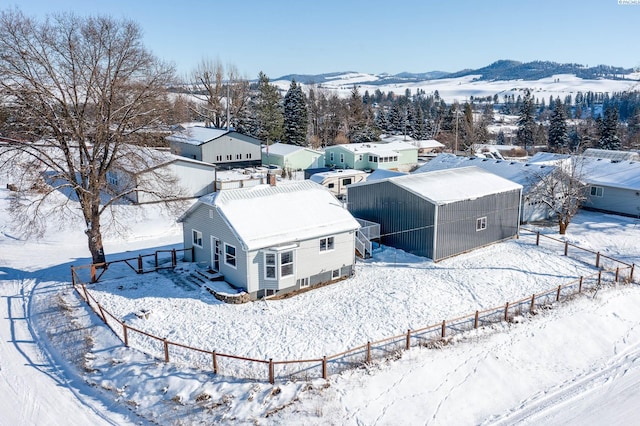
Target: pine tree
[558, 135]
[296, 116]
[608, 129]
[500, 138]
[526, 122]
[270, 120]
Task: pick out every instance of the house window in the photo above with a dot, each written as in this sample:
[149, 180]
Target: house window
[481, 223]
[229, 157]
[596, 191]
[196, 238]
[303, 282]
[112, 178]
[218, 157]
[270, 266]
[335, 273]
[238, 156]
[360, 157]
[331, 185]
[326, 244]
[331, 156]
[341, 157]
[346, 181]
[286, 263]
[230, 255]
[371, 158]
[248, 155]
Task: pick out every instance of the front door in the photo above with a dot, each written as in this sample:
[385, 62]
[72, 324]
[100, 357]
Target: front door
[215, 254]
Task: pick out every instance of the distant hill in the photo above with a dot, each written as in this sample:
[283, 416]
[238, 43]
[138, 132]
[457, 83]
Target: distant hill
[499, 70]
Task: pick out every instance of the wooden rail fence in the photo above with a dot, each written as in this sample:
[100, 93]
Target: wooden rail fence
[251, 368]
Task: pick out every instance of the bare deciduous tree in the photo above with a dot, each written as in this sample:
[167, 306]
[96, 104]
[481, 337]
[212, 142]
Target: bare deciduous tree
[562, 191]
[216, 89]
[80, 88]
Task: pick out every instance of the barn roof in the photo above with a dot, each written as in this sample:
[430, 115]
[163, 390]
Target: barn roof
[451, 185]
[197, 135]
[527, 175]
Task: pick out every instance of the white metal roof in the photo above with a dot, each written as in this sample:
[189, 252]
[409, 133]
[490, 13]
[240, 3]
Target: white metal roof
[447, 186]
[197, 135]
[268, 216]
[612, 154]
[377, 148]
[618, 174]
[527, 175]
[283, 149]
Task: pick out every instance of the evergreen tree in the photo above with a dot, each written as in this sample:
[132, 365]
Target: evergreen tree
[558, 135]
[574, 140]
[270, 120]
[608, 129]
[296, 116]
[526, 122]
[500, 138]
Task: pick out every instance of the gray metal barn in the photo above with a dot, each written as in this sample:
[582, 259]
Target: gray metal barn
[439, 214]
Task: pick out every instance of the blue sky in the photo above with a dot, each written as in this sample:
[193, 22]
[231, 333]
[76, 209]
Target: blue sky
[303, 37]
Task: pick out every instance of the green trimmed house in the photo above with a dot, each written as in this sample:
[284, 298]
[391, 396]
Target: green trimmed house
[399, 155]
[291, 157]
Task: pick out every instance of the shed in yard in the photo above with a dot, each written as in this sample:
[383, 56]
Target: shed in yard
[442, 213]
[291, 157]
[272, 239]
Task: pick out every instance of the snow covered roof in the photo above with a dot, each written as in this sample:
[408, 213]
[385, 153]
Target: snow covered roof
[428, 144]
[284, 149]
[267, 216]
[619, 174]
[524, 174]
[380, 174]
[197, 135]
[612, 154]
[548, 158]
[447, 186]
[377, 148]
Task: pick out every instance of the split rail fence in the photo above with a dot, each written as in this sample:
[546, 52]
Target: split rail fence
[610, 271]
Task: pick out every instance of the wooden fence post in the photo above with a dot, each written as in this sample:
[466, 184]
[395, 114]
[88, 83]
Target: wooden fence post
[73, 277]
[506, 312]
[271, 373]
[566, 248]
[538, 238]
[166, 350]
[599, 276]
[533, 304]
[633, 265]
[580, 286]
[173, 258]
[408, 343]
[617, 273]
[215, 362]
[156, 258]
[324, 367]
[368, 352]
[125, 335]
[444, 329]
[93, 273]
[476, 320]
[558, 293]
[139, 264]
[598, 260]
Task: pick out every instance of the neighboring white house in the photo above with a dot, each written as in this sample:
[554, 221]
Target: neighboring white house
[372, 156]
[291, 157]
[272, 239]
[527, 175]
[613, 186]
[336, 181]
[610, 154]
[147, 175]
[222, 147]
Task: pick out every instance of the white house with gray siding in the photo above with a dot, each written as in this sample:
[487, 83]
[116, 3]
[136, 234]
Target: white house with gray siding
[222, 147]
[442, 213]
[272, 239]
[530, 176]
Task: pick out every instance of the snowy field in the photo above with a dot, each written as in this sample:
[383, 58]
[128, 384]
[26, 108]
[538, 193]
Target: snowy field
[576, 363]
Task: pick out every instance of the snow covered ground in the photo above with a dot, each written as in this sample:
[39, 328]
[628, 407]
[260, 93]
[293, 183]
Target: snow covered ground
[576, 363]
